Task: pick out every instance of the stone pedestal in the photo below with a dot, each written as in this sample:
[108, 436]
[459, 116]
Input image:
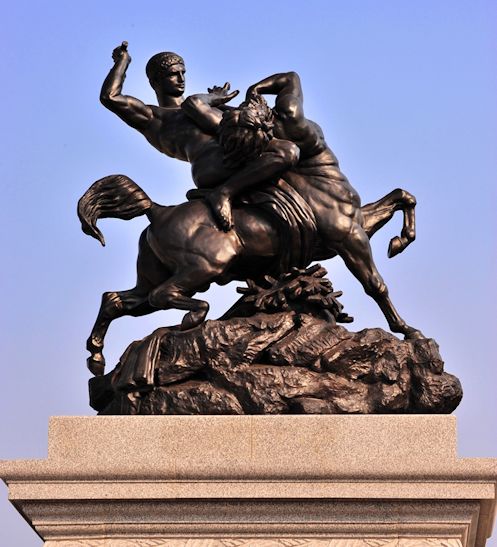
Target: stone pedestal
[201, 481]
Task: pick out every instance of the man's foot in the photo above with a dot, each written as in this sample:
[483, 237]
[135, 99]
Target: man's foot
[220, 203]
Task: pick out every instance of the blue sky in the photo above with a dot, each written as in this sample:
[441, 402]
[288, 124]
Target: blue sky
[405, 92]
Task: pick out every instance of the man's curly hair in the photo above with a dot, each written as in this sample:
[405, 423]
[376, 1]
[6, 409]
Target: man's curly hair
[160, 64]
[245, 132]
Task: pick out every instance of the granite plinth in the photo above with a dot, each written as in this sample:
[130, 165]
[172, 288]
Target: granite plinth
[202, 481]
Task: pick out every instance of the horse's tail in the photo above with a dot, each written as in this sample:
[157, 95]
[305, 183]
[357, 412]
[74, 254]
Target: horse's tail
[115, 196]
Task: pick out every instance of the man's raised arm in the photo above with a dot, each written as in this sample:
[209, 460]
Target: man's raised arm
[203, 108]
[133, 111]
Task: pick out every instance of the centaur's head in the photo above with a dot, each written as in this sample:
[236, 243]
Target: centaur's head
[245, 132]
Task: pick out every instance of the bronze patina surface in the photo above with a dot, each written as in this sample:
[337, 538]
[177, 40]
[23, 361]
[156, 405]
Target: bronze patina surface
[270, 199]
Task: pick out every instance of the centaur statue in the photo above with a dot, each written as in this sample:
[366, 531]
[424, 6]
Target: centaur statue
[271, 197]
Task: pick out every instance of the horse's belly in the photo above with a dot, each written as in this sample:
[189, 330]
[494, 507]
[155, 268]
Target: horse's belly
[258, 236]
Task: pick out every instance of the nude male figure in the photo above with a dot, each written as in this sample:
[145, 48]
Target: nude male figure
[170, 129]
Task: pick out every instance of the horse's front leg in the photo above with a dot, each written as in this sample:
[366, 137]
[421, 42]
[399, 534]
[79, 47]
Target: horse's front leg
[377, 214]
[355, 250]
[408, 232]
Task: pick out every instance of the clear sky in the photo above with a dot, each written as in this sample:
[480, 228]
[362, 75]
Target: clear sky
[406, 94]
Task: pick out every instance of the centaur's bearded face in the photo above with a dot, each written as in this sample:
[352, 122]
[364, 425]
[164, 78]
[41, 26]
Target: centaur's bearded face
[245, 132]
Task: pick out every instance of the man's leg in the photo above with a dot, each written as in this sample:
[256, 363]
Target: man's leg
[279, 156]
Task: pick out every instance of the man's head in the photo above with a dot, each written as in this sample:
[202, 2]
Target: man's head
[245, 132]
[166, 73]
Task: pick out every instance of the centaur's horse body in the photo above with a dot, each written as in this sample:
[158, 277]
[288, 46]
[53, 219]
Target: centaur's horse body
[183, 251]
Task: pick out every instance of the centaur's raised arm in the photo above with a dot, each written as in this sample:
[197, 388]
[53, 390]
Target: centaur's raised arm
[133, 111]
[289, 104]
[281, 84]
[289, 109]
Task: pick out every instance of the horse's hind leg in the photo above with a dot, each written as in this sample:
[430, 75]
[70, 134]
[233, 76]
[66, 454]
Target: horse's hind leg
[356, 253]
[178, 290]
[114, 304]
[377, 214]
[134, 302]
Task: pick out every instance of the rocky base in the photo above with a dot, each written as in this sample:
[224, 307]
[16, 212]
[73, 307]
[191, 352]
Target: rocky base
[276, 363]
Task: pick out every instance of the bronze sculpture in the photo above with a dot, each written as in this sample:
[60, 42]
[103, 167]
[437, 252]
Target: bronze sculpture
[271, 199]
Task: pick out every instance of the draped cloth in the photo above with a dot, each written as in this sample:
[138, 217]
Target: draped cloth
[295, 221]
[137, 364]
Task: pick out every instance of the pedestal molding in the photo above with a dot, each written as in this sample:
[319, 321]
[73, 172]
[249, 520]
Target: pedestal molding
[287, 481]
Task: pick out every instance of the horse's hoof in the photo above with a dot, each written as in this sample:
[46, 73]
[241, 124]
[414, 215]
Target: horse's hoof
[414, 334]
[395, 247]
[188, 323]
[192, 320]
[96, 365]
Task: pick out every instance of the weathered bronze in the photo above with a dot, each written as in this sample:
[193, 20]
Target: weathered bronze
[270, 200]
